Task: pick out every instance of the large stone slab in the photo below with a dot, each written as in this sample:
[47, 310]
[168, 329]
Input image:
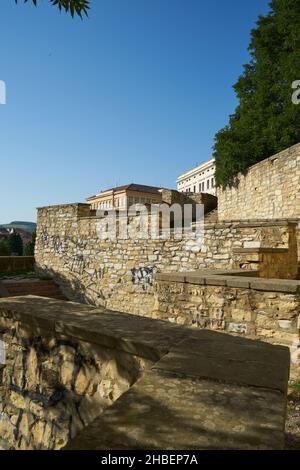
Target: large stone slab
[190, 388]
[164, 411]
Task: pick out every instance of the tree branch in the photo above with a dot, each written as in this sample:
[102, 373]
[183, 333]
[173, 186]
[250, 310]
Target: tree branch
[79, 7]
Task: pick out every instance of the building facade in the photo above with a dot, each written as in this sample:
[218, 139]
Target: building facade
[200, 179]
[122, 197]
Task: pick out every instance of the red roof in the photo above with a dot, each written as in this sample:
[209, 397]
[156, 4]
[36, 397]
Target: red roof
[141, 188]
[4, 232]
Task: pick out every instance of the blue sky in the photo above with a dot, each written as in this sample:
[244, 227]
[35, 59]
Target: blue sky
[135, 93]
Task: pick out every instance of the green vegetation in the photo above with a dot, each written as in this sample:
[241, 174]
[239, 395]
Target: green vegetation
[73, 7]
[293, 417]
[4, 248]
[30, 246]
[15, 244]
[295, 387]
[265, 120]
[24, 273]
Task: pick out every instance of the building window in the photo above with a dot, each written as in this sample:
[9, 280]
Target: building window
[212, 183]
[194, 189]
[200, 188]
[202, 185]
[207, 184]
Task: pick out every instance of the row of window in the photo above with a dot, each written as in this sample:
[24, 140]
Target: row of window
[141, 200]
[210, 184]
[121, 202]
[198, 174]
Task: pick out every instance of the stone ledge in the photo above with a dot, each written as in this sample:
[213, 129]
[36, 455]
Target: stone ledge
[136, 335]
[238, 223]
[276, 285]
[207, 390]
[233, 391]
[260, 249]
[163, 411]
[218, 358]
[71, 204]
[232, 279]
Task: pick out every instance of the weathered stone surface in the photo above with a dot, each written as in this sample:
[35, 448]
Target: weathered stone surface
[119, 274]
[269, 190]
[267, 309]
[52, 386]
[265, 191]
[249, 364]
[212, 415]
[65, 384]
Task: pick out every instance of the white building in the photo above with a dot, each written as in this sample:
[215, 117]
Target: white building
[198, 180]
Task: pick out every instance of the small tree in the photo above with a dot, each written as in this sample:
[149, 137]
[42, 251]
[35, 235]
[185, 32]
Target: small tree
[266, 120]
[30, 246]
[4, 248]
[15, 244]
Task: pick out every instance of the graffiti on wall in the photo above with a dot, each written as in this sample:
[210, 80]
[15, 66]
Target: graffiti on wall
[143, 276]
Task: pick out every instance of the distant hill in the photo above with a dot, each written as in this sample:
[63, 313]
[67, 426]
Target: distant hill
[26, 226]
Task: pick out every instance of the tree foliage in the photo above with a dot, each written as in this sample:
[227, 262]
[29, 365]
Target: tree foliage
[4, 248]
[30, 246]
[265, 120]
[15, 244]
[79, 7]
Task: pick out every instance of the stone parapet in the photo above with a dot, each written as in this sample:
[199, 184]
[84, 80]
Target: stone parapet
[119, 274]
[269, 190]
[265, 309]
[79, 377]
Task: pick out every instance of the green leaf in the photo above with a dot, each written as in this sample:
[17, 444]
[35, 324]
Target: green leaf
[80, 7]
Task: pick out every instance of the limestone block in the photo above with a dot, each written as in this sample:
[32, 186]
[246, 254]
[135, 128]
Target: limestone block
[240, 328]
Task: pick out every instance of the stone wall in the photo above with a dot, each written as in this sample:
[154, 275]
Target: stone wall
[119, 274]
[54, 384]
[270, 189]
[94, 379]
[263, 309]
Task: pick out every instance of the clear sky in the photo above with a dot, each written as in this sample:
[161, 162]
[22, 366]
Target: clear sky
[135, 93]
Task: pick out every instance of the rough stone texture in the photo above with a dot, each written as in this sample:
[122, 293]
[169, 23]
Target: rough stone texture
[269, 189]
[257, 308]
[53, 385]
[170, 387]
[119, 274]
[187, 402]
[170, 197]
[272, 250]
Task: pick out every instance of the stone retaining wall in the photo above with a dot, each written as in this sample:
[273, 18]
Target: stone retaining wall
[257, 308]
[269, 190]
[94, 379]
[53, 383]
[119, 274]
